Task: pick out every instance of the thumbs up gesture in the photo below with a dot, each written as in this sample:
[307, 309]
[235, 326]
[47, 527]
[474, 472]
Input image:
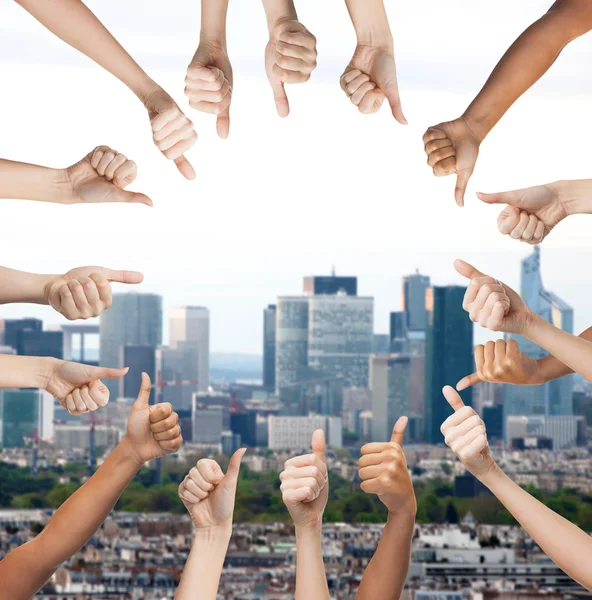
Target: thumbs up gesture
[208, 494]
[305, 484]
[370, 77]
[383, 471]
[464, 433]
[153, 431]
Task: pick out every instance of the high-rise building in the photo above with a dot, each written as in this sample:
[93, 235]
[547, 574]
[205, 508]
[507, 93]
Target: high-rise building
[291, 339]
[320, 285]
[449, 354]
[178, 380]
[269, 330]
[555, 397]
[564, 431]
[414, 303]
[24, 413]
[208, 423]
[381, 343]
[398, 332]
[244, 424]
[190, 328]
[12, 328]
[295, 433]
[133, 320]
[28, 338]
[139, 359]
[390, 378]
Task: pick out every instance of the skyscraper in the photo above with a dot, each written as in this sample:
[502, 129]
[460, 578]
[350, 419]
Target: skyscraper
[555, 397]
[322, 285]
[398, 332]
[449, 354]
[177, 365]
[28, 338]
[133, 319]
[22, 414]
[291, 339]
[390, 377]
[414, 304]
[269, 328]
[190, 328]
[139, 359]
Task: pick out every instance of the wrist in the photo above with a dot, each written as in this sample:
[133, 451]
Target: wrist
[278, 12]
[60, 187]
[574, 196]
[214, 532]
[146, 91]
[491, 476]
[376, 37]
[479, 125]
[44, 369]
[310, 527]
[530, 324]
[408, 511]
[130, 450]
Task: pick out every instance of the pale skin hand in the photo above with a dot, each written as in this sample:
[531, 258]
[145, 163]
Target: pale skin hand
[78, 388]
[452, 147]
[290, 57]
[464, 433]
[383, 471]
[491, 303]
[502, 362]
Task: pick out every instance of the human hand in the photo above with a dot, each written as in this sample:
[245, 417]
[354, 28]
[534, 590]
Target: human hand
[153, 431]
[370, 77]
[85, 292]
[453, 147]
[383, 471]
[290, 57]
[502, 362]
[305, 484]
[208, 84]
[101, 176]
[531, 213]
[464, 433]
[208, 494]
[77, 387]
[172, 131]
[491, 303]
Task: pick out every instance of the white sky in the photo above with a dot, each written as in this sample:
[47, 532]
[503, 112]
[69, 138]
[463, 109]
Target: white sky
[283, 199]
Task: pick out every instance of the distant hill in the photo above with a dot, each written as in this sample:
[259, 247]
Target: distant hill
[230, 367]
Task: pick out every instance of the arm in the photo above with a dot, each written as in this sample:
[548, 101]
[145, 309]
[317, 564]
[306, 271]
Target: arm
[370, 22]
[564, 543]
[25, 371]
[19, 286]
[209, 496]
[75, 24]
[32, 182]
[305, 491]
[81, 515]
[279, 10]
[383, 471]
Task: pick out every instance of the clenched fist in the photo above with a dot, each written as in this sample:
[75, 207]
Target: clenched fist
[101, 176]
[305, 484]
[77, 387]
[491, 303]
[464, 433]
[208, 84]
[502, 362]
[172, 131]
[383, 471]
[85, 292]
[290, 57]
[208, 494]
[452, 148]
[370, 77]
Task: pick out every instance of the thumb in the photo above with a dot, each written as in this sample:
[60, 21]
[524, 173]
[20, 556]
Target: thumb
[399, 430]
[511, 198]
[281, 100]
[123, 276]
[223, 124]
[135, 198]
[453, 398]
[462, 180]
[185, 167]
[467, 270]
[318, 444]
[468, 381]
[105, 373]
[394, 100]
[234, 465]
[143, 400]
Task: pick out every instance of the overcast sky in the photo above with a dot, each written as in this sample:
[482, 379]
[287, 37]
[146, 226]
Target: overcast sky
[285, 198]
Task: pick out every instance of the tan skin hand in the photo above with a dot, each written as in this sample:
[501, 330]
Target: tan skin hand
[383, 471]
[452, 147]
[464, 433]
[369, 78]
[502, 362]
[101, 176]
[531, 214]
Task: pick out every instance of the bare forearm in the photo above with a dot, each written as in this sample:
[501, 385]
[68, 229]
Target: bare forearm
[72, 525]
[204, 564]
[25, 371]
[75, 24]
[386, 573]
[564, 543]
[526, 61]
[19, 286]
[575, 196]
[311, 581]
[213, 21]
[276, 10]
[23, 181]
[370, 22]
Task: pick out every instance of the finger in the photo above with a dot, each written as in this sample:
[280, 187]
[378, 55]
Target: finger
[179, 121]
[286, 76]
[539, 234]
[468, 381]
[508, 219]
[212, 108]
[290, 63]
[305, 460]
[203, 73]
[305, 39]
[160, 412]
[304, 473]
[498, 314]
[376, 458]
[437, 145]
[517, 232]
[106, 373]
[318, 444]
[309, 482]
[462, 180]
[371, 102]
[119, 160]
[171, 446]
[512, 349]
[477, 445]
[103, 289]
[180, 135]
[392, 95]
[398, 434]
[511, 198]
[92, 296]
[306, 55]
[486, 293]
[161, 120]
[359, 94]
[99, 392]
[167, 422]
[433, 133]
[234, 465]
[143, 400]
[71, 405]
[464, 441]
[67, 305]
[466, 270]
[371, 486]
[80, 300]
[455, 419]
[213, 96]
[195, 476]
[453, 398]
[210, 470]
[87, 399]
[295, 497]
[499, 351]
[530, 229]
[281, 100]
[441, 154]
[489, 354]
[462, 429]
[106, 159]
[349, 76]
[351, 87]
[187, 496]
[169, 434]
[479, 357]
[78, 402]
[125, 174]
[185, 168]
[97, 154]
[371, 472]
[223, 124]
[130, 277]
[445, 167]
[192, 488]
